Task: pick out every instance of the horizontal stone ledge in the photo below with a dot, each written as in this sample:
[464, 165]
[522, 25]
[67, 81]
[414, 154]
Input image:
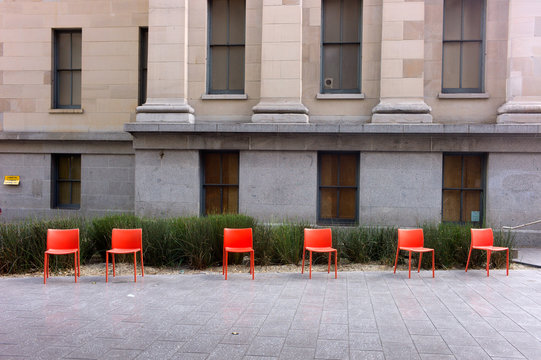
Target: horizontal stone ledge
[65, 136]
[429, 129]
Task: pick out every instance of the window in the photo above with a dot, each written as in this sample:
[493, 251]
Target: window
[463, 188]
[463, 46]
[226, 46]
[67, 69]
[341, 46]
[66, 181]
[143, 61]
[338, 183]
[220, 182]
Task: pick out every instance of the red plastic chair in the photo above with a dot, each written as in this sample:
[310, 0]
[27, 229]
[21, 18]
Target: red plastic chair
[412, 240]
[238, 241]
[319, 240]
[125, 241]
[483, 239]
[62, 242]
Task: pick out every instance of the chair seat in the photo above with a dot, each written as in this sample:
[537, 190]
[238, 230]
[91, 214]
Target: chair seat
[239, 250]
[61, 251]
[416, 249]
[123, 251]
[491, 248]
[320, 249]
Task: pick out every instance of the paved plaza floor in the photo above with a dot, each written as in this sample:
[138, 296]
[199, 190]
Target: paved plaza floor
[360, 315]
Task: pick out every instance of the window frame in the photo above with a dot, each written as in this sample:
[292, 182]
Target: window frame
[56, 70]
[482, 50]
[143, 65]
[228, 45]
[322, 88]
[462, 189]
[55, 182]
[220, 185]
[338, 221]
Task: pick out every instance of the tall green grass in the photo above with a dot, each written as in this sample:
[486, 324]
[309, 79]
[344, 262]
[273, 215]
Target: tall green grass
[197, 242]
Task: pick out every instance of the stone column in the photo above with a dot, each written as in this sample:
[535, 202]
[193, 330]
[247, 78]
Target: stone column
[281, 64]
[402, 63]
[167, 80]
[523, 64]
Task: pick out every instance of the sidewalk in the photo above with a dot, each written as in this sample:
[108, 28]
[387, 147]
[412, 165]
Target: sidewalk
[529, 256]
[361, 315]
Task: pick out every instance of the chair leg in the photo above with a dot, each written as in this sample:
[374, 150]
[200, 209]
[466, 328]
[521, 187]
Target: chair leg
[468, 262]
[252, 264]
[114, 274]
[45, 269]
[409, 266]
[75, 265]
[142, 266]
[79, 263]
[226, 265]
[134, 267]
[488, 261]
[223, 261]
[335, 264]
[396, 259]
[302, 269]
[420, 260]
[507, 262]
[329, 266]
[106, 266]
[310, 265]
[432, 263]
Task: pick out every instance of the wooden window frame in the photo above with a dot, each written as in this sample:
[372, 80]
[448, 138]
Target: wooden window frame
[57, 69]
[341, 43]
[56, 181]
[337, 220]
[220, 185]
[143, 64]
[461, 42]
[462, 189]
[228, 45]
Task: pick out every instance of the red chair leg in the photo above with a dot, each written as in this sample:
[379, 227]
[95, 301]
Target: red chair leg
[488, 261]
[310, 265]
[113, 256]
[396, 259]
[142, 266]
[468, 262]
[75, 265]
[432, 263]
[335, 264]
[134, 267]
[409, 266]
[223, 261]
[79, 263]
[420, 260]
[226, 265]
[252, 264]
[45, 269]
[329, 266]
[507, 262]
[302, 269]
[106, 266]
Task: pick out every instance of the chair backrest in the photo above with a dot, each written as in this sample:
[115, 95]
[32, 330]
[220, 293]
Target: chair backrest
[410, 238]
[238, 238]
[62, 239]
[318, 237]
[127, 239]
[482, 237]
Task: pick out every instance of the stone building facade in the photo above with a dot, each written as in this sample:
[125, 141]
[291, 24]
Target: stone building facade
[381, 112]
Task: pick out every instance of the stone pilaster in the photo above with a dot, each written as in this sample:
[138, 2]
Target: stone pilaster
[523, 64]
[402, 64]
[281, 64]
[167, 80]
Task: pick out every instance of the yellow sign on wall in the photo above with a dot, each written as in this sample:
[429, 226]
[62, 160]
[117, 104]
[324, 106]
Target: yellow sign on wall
[11, 180]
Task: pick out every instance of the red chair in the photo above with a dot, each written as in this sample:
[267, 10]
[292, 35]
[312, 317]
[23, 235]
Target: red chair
[62, 242]
[319, 240]
[412, 240]
[238, 241]
[125, 241]
[483, 239]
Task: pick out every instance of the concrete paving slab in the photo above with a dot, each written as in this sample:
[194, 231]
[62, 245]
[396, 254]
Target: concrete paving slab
[360, 315]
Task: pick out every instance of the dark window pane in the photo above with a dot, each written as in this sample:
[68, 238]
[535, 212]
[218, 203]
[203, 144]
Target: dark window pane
[76, 88]
[452, 171]
[348, 170]
[75, 193]
[63, 168]
[452, 20]
[451, 65]
[64, 50]
[350, 67]
[351, 17]
[230, 168]
[471, 203]
[331, 70]
[212, 168]
[347, 203]
[328, 198]
[64, 193]
[64, 88]
[76, 50]
[236, 68]
[212, 200]
[471, 53]
[329, 170]
[472, 172]
[218, 18]
[473, 12]
[451, 205]
[230, 199]
[75, 168]
[331, 20]
[236, 21]
[219, 68]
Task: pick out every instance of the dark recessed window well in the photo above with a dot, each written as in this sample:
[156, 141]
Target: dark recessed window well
[338, 183]
[341, 34]
[67, 69]
[66, 181]
[463, 190]
[143, 61]
[220, 193]
[463, 46]
[226, 24]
